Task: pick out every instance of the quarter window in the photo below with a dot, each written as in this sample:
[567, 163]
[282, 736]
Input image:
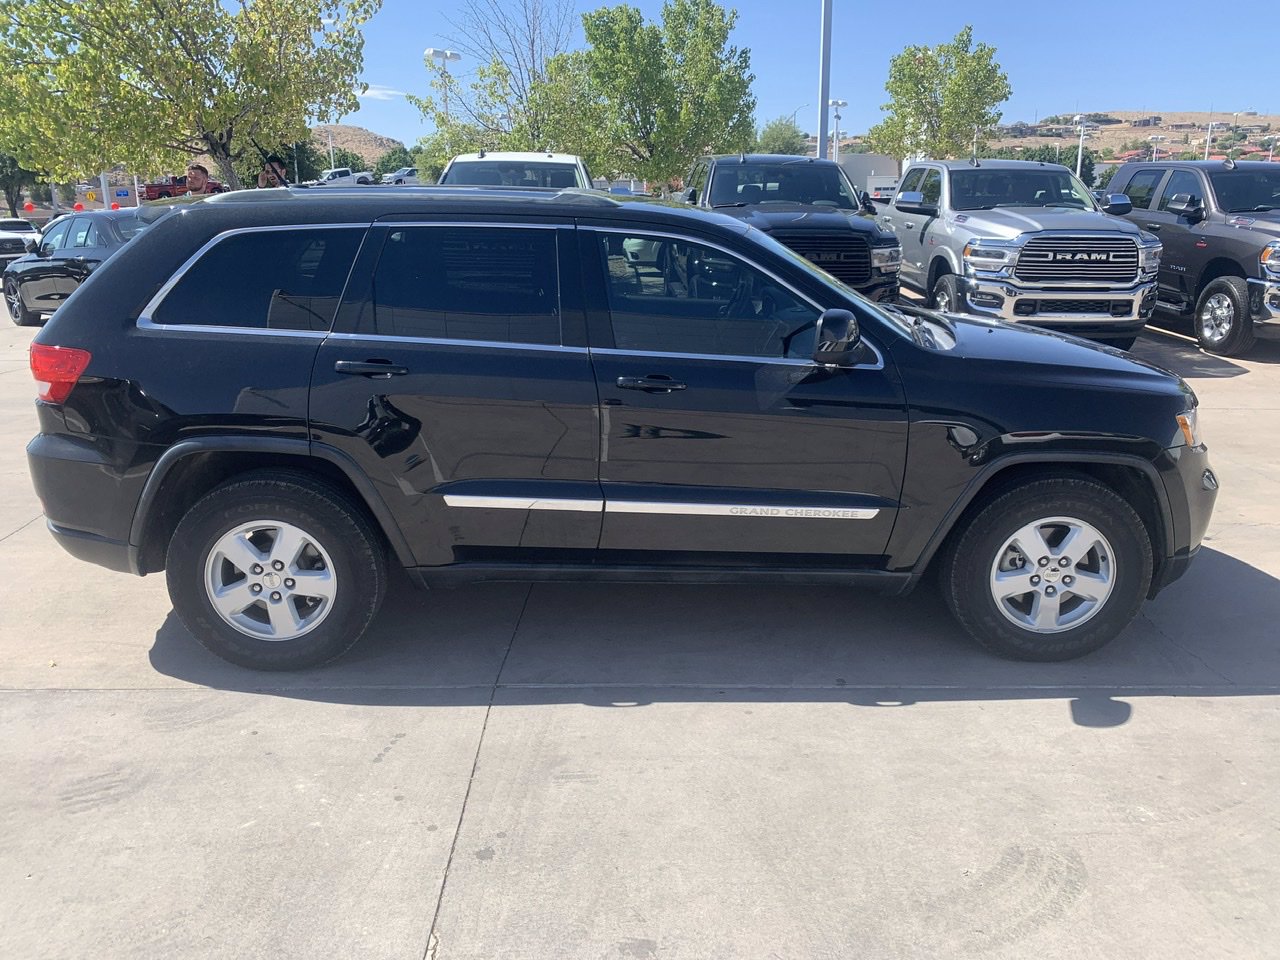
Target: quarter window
[1142, 186]
[79, 232]
[95, 236]
[1181, 181]
[670, 295]
[267, 279]
[495, 284]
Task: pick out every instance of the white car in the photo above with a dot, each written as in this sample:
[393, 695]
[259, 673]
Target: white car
[343, 177]
[403, 176]
[554, 170]
[14, 235]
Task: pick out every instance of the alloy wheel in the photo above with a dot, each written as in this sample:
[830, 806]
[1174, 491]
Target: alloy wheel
[13, 300]
[1217, 317]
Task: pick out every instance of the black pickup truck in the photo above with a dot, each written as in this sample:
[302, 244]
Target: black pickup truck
[1220, 226]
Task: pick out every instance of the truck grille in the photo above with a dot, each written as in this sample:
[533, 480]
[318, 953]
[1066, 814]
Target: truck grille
[11, 246]
[846, 257]
[1078, 259]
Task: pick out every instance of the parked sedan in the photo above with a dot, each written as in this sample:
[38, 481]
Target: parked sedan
[405, 176]
[59, 259]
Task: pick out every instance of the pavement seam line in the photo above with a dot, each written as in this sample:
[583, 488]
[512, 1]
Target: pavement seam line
[1191, 653]
[13, 533]
[429, 951]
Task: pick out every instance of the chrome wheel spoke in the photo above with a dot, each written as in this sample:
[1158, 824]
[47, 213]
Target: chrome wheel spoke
[288, 545]
[1031, 542]
[314, 583]
[1013, 583]
[285, 622]
[233, 600]
[1090, 586]
[1074, 546]
[242, 554]
[1045, 611]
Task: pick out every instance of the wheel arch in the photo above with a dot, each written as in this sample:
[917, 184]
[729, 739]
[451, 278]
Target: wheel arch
[1215, 269]
[1132, 478]
[190, 469]
[939, 265]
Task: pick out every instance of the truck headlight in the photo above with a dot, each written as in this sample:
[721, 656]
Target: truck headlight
[1189, 424]
[1149, 258]
[983, 252]
[1270, 258]
[888, 259]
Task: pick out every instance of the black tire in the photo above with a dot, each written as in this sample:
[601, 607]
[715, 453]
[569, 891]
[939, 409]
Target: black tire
[1223, 321]
[329, 518]
[946, 291]
[969, 563]
[18, 311]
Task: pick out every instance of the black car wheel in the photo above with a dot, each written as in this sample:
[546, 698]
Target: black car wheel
[1051, 570]
[18, 311]
[945, 295]
[1224, 324]
[276, 571]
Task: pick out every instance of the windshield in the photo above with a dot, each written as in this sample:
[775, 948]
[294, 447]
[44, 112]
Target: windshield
[1246, 191]
[790, 181]
[511, 173]
[986, 189]
[17, 226]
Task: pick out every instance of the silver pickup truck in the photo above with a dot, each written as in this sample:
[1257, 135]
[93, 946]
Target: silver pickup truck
[1024, 241]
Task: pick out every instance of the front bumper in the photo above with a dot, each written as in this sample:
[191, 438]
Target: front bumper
[1124, 309]
[1264, 300]
[1191, 488]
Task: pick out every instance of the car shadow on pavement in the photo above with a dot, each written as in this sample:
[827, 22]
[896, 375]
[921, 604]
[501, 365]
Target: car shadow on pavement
[1212, 634]
[1190, 362]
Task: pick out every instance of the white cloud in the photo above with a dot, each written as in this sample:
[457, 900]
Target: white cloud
[378, 92]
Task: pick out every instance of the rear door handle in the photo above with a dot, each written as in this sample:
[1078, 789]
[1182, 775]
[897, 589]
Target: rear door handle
[658, 383]
[376, 369]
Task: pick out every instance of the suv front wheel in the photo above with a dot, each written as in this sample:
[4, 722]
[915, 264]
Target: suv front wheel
[276, 571]
[1049, 571]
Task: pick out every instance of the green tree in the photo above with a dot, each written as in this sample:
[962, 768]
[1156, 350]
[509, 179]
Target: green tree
[1105, 176]
[393, 160]
[1047, 154]
[647, 98]
[152, 83]
[939, 97]
[782, 136]
[343, 157]
[14, 178]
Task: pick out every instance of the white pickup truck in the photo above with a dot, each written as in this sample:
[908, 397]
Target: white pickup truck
[343, 177]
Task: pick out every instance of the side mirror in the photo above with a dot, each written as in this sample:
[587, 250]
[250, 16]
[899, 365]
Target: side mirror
[837, 339]
[1183, 205]
[1117, 204]
[913, 202]
[690, 195]
[31, 246]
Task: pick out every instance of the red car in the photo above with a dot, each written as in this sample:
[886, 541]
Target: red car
[167, 187]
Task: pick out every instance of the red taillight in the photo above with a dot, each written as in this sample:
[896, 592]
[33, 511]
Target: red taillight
[57, 370]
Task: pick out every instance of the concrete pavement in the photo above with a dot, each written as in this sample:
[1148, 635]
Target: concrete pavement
[594, 771]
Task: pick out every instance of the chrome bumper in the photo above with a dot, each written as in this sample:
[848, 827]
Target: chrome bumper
[1264, 300]
[1000, 298]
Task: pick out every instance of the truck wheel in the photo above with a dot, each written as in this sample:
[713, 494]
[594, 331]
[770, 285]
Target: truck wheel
[163, 195]
[1224, 324]
[945, 296]
[276, 571]
[1049, 571]
[18, 311]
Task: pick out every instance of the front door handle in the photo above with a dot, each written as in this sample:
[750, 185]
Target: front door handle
[376, 369]
[658, 383]
[1154, 226]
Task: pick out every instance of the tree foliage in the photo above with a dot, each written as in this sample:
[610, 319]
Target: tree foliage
[939, 98]
[782, 136]
[151, 83]
[1048, 154]
[14, 178]
[393, 160]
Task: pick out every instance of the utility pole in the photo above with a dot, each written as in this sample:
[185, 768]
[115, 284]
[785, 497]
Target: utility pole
[444, 56]
[1208, 140]
[1080, 152]
[836, 143]
[330, 133]
[824, 78]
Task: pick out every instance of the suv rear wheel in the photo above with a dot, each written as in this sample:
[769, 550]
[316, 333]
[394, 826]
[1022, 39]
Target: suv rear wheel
[1049, 571]
[276, 571]
[1224, 323]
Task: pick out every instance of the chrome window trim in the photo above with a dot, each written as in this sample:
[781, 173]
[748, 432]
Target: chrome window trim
[145, 322]
[789, 361]
[448, 342]
[491, 224]
[661, 508]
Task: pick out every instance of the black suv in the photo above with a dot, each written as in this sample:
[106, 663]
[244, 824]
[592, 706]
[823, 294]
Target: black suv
[808, 205]
[272, 395]
[1220, 226]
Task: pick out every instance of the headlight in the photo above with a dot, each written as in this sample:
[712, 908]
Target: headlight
[1189, 424]
[887, 258]
[979, 250]
[1149, 258]
[1270, 258]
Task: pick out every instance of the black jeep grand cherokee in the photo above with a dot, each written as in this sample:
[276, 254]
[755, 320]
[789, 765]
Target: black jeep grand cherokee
[272, 395]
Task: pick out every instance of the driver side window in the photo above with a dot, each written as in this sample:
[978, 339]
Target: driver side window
[56, 238]
[672, 295]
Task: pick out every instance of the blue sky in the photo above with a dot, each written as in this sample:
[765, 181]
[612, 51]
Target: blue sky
[1085, 56]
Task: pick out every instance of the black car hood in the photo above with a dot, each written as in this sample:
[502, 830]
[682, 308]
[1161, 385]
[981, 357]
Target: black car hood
[800, 216]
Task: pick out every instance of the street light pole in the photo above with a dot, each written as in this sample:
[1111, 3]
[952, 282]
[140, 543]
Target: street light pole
[1080, 151]
[824, 78]
[444, 56]
[1208, 140]
[837, 104]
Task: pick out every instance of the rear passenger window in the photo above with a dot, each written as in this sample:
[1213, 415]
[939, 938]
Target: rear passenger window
[670, 295]
[265, 279]
[1142, 186]
[932, 187]
[495, 284]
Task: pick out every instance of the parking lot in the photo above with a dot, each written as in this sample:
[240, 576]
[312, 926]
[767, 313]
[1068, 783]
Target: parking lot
[600, 771]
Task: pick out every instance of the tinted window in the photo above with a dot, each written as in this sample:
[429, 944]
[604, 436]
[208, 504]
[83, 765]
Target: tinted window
[698, 181]
[789, 181]
[669, 295]
[98, 235]
[987, 188]
[1182, 181]
[17, 226]
[1142, 186]
[495, 284]
[932, 186]
[79, 232]
[56, 238]
[278, 279]
[130, 227]
[912, 181]
[512, 173]
[1247, 191]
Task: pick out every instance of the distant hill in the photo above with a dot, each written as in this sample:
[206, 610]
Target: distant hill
[368, 144]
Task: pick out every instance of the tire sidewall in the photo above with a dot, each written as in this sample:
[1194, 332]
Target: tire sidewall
[359, 580]
[20, 315]
[1240, 337]
[967, 581]
[948, 282]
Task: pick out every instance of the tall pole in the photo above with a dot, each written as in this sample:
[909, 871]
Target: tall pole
[1080, 151]
[835, 150]
[102, 181]
[824, 78]
[330, 133]
[1208, 140]
[444, 56]
[137, 194]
